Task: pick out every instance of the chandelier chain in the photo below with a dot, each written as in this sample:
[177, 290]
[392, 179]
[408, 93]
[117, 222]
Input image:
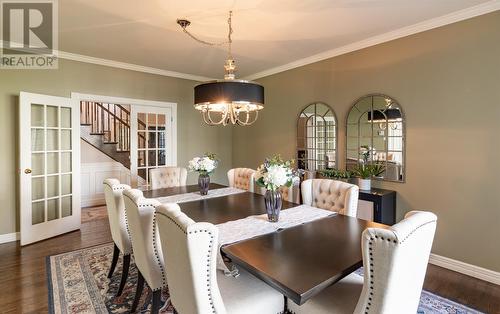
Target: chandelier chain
[230, 33]
[228, 42]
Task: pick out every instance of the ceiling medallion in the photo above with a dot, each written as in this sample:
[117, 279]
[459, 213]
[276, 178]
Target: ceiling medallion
[227, 101]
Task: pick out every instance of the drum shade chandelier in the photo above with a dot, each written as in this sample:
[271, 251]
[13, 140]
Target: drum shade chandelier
[227, 101]
[390, 116]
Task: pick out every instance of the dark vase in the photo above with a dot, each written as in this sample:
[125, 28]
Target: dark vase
[204, 183]
[273, 205]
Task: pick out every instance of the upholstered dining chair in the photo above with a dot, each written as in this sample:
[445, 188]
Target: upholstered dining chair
[166, 177]
[113, 193]
[395, 262]
[147, 251]
[241, 178]
[332, 195]
[195, 286]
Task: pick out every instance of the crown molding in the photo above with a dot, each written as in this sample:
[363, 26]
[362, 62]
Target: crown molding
[123, 65]
[130, 66]
[484, 8]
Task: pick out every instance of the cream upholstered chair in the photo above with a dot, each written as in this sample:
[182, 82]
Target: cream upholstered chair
[166, 177]
[241, 178]
[113, 193]
[195, 286]
[148, 255]
[332, 195]
[395, 261]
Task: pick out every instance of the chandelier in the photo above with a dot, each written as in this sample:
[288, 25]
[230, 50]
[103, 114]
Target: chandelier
[227, 101]
[388, 117]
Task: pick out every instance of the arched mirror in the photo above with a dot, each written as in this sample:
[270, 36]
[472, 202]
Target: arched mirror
[376, 135]
[317, 138]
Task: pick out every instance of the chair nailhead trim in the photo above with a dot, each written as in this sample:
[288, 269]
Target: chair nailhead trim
[149, 203]
[175, 222]
[210, 249]
[115, 188]
[155, 248]
[409, 234]
[127, 228]
[370, 249]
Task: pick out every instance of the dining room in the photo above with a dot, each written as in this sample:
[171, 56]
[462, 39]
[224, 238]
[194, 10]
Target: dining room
[250, 157]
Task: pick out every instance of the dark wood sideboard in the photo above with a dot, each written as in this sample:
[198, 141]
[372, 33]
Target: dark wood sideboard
[384, 204]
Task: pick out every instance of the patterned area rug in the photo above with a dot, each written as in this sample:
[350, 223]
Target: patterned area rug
[78, 283]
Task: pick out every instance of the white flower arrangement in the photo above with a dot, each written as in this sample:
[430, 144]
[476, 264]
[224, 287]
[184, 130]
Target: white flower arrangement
[203, 165]
[275, 173]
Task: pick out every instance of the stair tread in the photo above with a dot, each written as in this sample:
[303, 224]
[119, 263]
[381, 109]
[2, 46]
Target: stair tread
[85, 124]
[110, 142]
[96, 133]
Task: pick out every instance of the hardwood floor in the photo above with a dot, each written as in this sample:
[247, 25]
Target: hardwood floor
[475, 293]
[23, 279]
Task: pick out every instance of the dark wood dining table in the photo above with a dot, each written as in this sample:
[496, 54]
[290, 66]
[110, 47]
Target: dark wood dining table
[300, 261]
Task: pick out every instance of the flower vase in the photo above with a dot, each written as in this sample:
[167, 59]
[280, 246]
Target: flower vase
[273, 204]
[203, 183]
[365, 184]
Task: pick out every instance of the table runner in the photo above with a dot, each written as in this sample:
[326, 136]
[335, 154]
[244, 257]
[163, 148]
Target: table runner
[253, 226]
[196, 196]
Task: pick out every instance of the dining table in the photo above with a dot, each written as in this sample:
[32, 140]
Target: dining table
[300, 261]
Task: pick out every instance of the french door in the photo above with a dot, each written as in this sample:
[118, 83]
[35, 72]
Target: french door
[152, 142]
[49, 166]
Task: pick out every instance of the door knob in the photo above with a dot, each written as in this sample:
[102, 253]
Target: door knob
[27, 170]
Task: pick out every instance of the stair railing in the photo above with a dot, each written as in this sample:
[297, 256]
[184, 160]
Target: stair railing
[112, 121]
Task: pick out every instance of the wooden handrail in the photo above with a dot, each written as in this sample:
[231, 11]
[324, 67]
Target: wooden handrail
[113, 123]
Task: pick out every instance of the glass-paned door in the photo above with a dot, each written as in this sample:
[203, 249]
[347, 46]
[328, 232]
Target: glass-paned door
[152, 142]
[49, 160]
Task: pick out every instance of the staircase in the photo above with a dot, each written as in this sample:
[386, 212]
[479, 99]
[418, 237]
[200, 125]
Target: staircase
[107, 128]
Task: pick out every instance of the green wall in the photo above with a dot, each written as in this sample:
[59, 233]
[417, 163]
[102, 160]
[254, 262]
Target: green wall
[447, 82]
[193, 137]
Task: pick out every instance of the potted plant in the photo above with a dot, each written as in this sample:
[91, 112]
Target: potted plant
[336, 174]
[204, 165]
[272, 175]
[365, 172]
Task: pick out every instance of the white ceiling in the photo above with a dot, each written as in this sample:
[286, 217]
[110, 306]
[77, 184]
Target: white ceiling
[267, 34]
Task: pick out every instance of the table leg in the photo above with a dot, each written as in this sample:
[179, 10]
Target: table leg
[285, 306]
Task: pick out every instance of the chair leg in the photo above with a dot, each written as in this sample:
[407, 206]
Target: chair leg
[126, 266]
[116, 254]
[156, 302]
[138, 292]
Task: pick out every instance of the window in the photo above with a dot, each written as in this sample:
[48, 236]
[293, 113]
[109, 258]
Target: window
[317, 138]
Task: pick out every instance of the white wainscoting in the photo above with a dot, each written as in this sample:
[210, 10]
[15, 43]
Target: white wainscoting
[92, 176]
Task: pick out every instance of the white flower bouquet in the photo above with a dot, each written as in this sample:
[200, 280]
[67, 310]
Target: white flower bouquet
[204, 165]
[275, 173]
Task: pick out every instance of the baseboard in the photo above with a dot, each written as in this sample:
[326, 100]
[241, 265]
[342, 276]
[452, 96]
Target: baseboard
[466, 269]
[9, 237]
